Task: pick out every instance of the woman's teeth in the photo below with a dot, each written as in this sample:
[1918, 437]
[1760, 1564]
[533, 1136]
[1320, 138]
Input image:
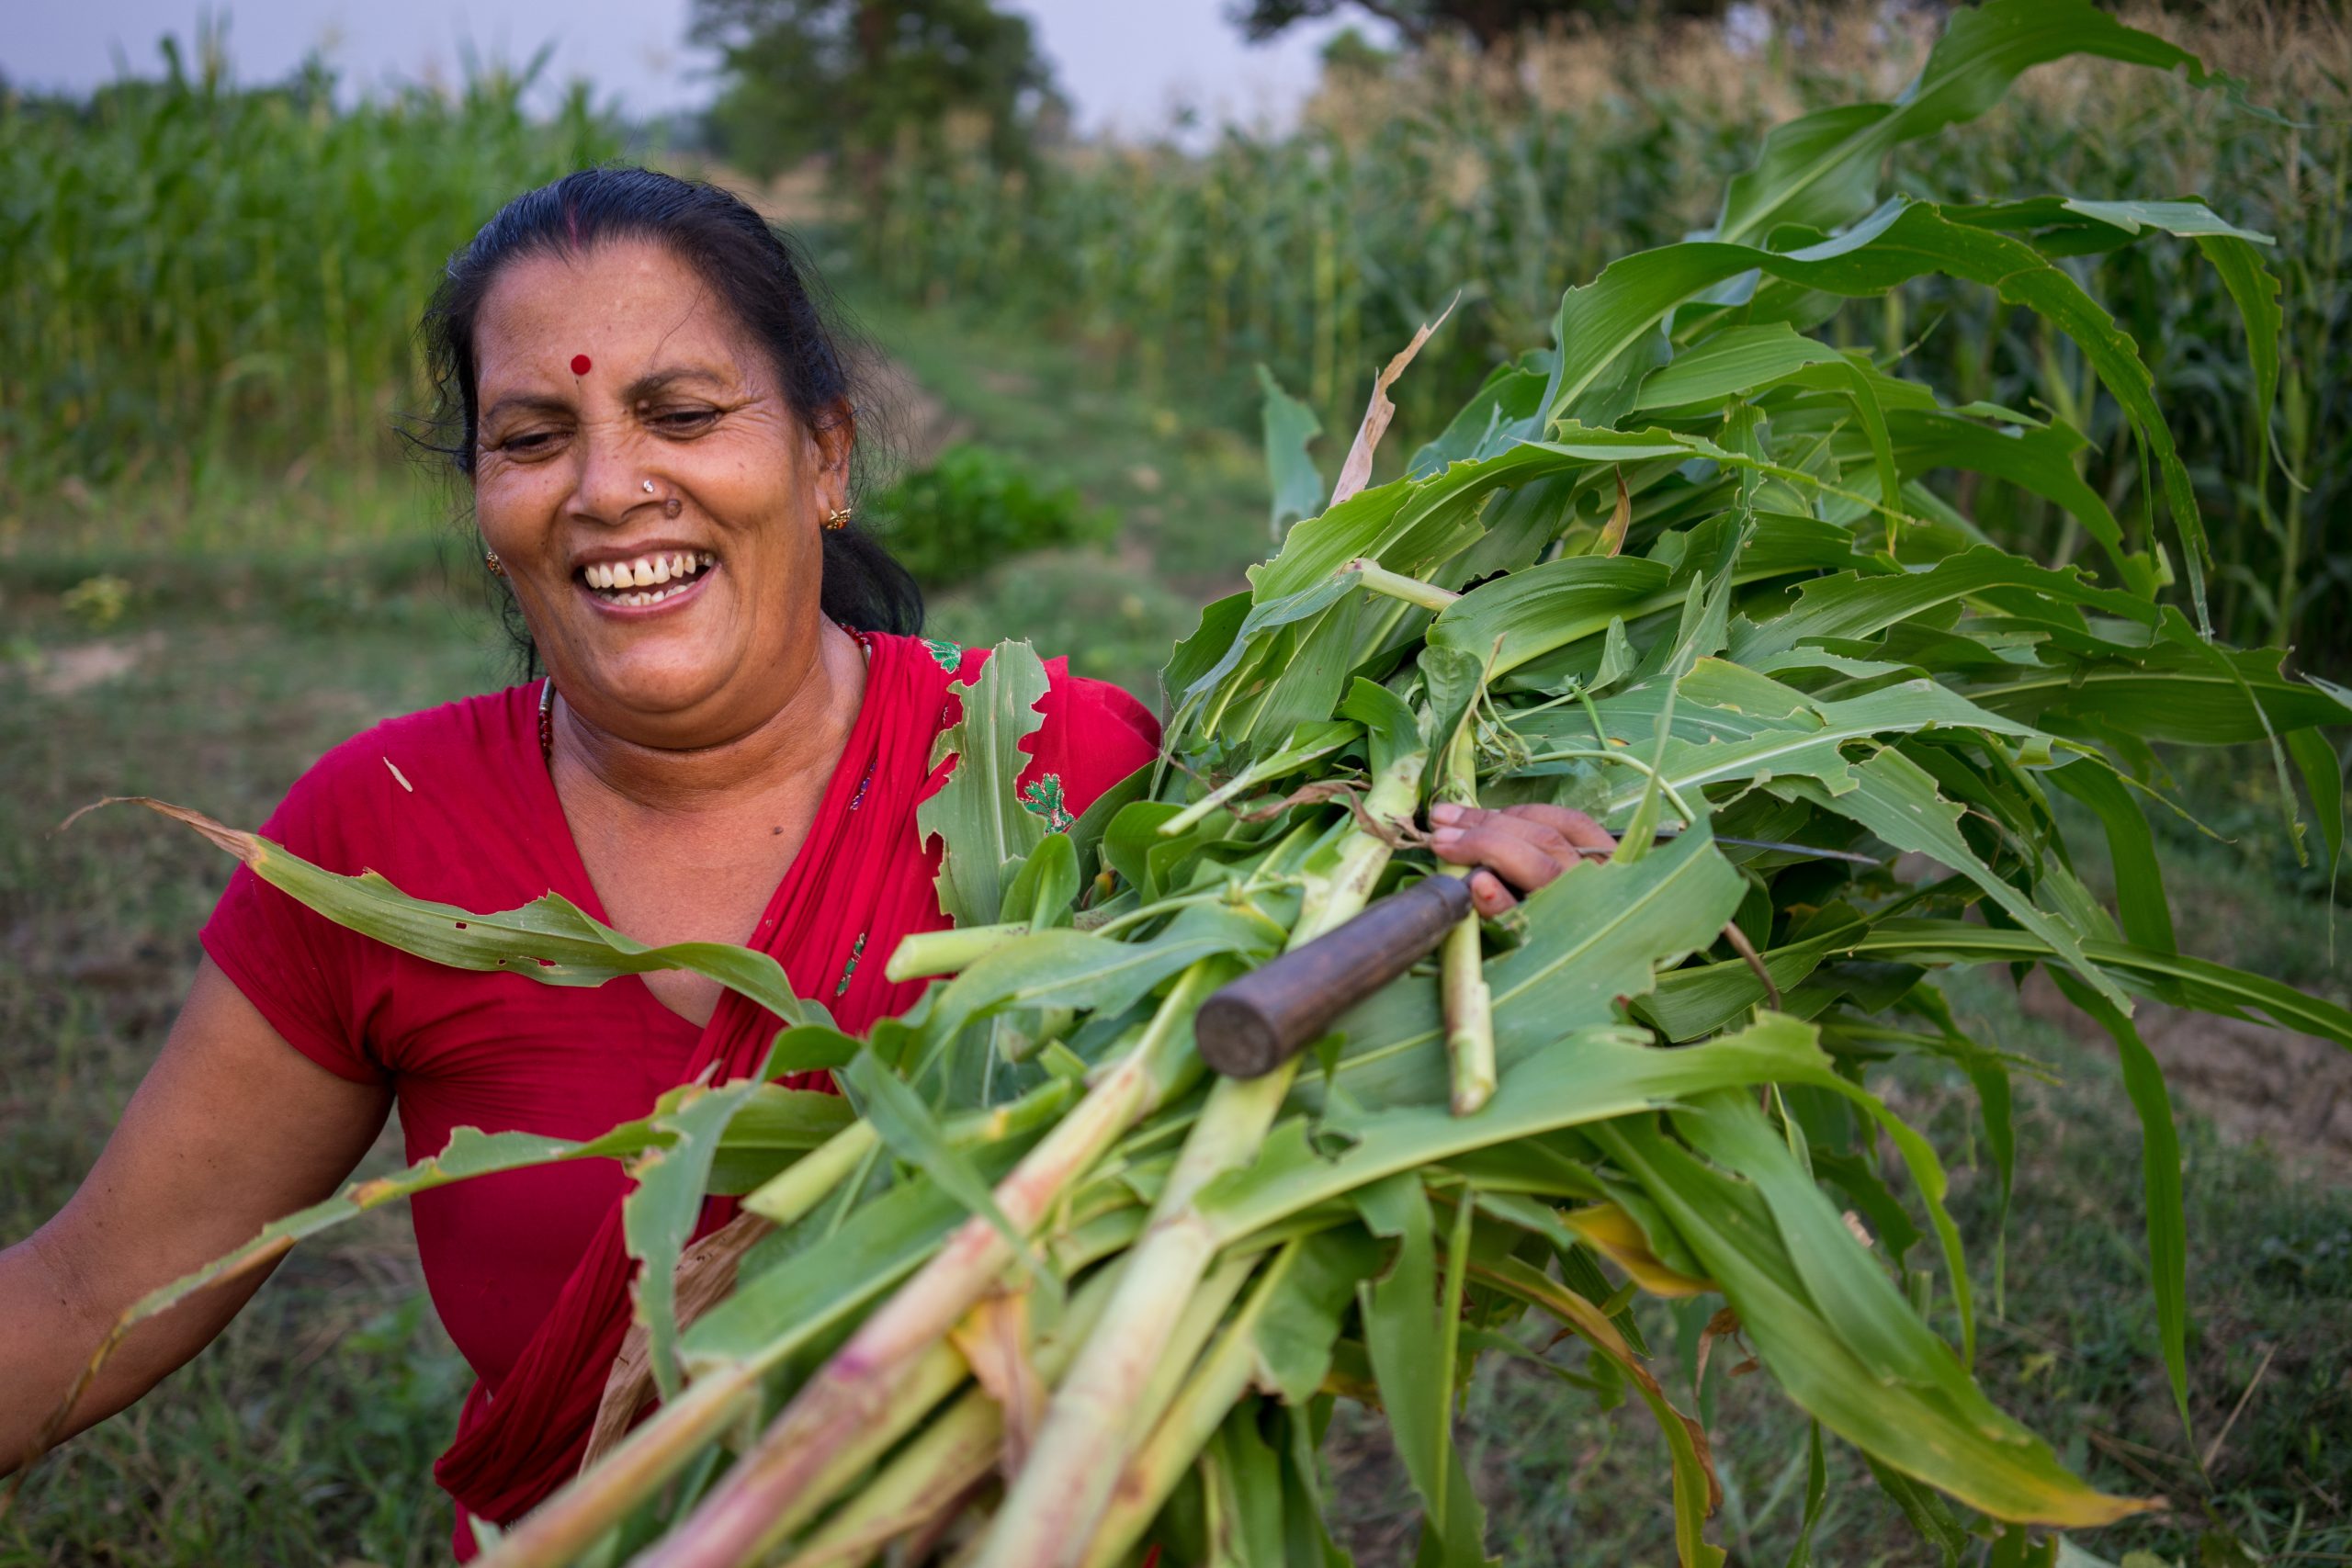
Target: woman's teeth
[648, 580]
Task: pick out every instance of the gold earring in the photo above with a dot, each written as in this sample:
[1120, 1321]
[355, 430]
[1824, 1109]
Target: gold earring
[497, 567]
[837, 518]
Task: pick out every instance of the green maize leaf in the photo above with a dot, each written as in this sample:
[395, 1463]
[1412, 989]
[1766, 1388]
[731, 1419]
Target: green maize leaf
[1243, 1478]
[1605, 320]
[1943, 1431]
[1253, 638]
[2131, 848]
[1405, 1319]
[1533, 612]
[2039, 459]
[1850, 1288]
[1043, 885]
[1580, 1078]
[1310, 743]
[1291, 428]
[2254, 288]
[1852, 606]
[775, 1312]
[1732, 729]
[2073, 227]
[2175, 693]
[1927, 1514]
[469, 1152]
[907, 1127]
[1896, 800]
[1294, 1335]
[977, 815]
[1732, 361]
[770, 1130]
[1220, 624]
[1067, 968]
[1822, 169]
[1296, 678]
[1409, 525]
[1308, 1543]
[1509, 396]
[1392, 731]
[806, 1048]
[2070, 226]
[2189, 982]
[2322, 773]
[1086, 833]
[2160, 1164]
[549, 939]
[659, 1214]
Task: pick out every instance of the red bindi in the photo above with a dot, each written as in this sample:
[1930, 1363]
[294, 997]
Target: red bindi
[580, 365]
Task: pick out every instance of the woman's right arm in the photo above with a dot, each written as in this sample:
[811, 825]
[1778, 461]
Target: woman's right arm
[232, 1128]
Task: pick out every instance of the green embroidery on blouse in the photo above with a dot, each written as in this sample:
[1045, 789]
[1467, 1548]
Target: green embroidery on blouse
[949, 657]
[1045, 799]
[849, 969]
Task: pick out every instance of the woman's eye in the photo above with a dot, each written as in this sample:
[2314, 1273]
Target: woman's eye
[528, 442]
[683, 420]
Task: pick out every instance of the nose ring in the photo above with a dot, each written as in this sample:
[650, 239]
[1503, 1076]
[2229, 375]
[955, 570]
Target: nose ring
[648, 487]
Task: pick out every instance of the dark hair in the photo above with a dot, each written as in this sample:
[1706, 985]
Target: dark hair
[760, 274]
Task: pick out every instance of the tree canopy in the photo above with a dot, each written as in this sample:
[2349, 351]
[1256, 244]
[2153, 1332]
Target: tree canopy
[861, 78]
[1484, 23]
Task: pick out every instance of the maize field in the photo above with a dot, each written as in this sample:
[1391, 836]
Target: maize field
[1037, 1288]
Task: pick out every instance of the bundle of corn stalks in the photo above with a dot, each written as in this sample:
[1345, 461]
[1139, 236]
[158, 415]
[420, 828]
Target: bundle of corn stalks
[1041, 1290]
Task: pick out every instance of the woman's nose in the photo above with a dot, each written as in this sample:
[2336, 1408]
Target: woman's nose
[615, 477]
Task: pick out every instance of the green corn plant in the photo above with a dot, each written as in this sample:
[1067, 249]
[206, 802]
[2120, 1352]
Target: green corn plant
[227, 276]
[1038, 1291]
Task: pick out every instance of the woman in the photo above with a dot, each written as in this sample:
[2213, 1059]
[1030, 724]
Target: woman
[737, 724]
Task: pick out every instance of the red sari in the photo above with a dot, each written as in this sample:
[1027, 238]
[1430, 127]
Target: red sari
[526, 1268]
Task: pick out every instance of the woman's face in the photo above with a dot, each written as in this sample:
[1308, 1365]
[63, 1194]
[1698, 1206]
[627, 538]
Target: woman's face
[682, 615]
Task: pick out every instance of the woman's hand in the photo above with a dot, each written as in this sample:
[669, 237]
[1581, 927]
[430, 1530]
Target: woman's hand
[1521, 847]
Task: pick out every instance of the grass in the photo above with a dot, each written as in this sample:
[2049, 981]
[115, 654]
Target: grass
[307, 1432]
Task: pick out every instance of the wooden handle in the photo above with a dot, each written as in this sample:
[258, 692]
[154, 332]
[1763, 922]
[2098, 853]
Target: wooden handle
[1269, 1015]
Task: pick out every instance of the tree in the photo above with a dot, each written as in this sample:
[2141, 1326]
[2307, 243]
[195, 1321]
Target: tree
[863, 79]
[1483, 23]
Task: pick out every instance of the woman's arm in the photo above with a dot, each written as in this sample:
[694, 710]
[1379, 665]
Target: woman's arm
[232, 1128]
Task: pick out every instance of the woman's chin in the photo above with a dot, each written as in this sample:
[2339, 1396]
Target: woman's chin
[660, 702]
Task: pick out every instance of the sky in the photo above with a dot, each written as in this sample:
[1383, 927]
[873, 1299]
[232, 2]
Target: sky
[1124, 63]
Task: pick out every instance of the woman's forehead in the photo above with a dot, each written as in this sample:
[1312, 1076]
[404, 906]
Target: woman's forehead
[612, 304]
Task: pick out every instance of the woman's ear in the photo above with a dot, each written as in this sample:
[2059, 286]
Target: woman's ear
[835, 436]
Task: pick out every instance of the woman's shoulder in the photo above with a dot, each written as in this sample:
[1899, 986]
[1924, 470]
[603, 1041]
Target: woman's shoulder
[440, 761]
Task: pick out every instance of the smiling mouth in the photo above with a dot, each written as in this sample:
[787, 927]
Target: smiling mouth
[648, 579]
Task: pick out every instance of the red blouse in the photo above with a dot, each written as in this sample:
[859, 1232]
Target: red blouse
[455, 804]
